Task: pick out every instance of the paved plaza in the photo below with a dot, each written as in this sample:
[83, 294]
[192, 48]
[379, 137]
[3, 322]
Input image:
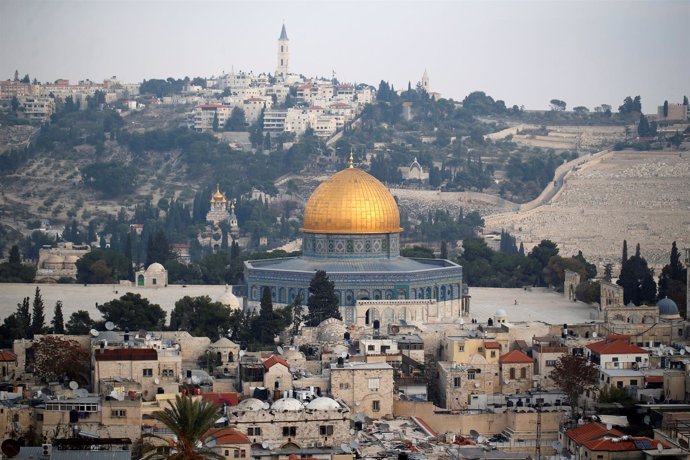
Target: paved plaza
[532, 305]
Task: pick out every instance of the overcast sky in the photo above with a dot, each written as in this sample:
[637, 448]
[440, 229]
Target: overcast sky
[524, 52]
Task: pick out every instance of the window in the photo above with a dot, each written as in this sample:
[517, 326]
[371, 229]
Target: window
[254, 431]
[523, 373]
[480, 349]
[638, 359]
[236, 453]
[344, 386]
[118, 413]
[227, 453]
[374, 384]
[471, 375]
[370, 348]
[289, 431]
[614, 359]
[461, 347]
[326, 430]
[633, 383]
[493, 353]
[147, 372]
[550, 362]
[512, 373]
[39, 417]
[457, 382]
[376, 406]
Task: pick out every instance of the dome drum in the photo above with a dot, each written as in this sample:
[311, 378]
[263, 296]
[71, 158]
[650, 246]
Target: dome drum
[351, 246]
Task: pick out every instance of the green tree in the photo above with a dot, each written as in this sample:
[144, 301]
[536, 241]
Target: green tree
[608, 272]
[554, 272]
[297, 313]
[643, 129]
[38, 316]
[588, 291]
[637, 281]
[444, 250]
[624, 257]
[591, 269]
[557, 105]
[58, 320]
[134, 312]
[237, 120]
[112, 179]
[80, 323]
[14, 104]
[189, 420]
[542, 254]
[673, 279]
[575, 375]
[322, 302]
[665, 109]
[17, 325]
[15, 256]
[418, 252]
[200, 317]
[215, 121]
[158, 249]
[102, 267]
[14, 271]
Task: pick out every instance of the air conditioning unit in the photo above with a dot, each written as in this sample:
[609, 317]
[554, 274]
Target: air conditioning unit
[47, 450]
[319, 444]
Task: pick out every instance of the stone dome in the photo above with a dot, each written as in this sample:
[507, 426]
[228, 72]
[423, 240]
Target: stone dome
[287, 404]
[331, 330]
[252, 404]
[229, 299]
[155, 267]
[667, 307]
[501, 313]
[323, 403]
[351, 202]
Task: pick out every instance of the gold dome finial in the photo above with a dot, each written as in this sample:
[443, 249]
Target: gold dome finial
[351, 163]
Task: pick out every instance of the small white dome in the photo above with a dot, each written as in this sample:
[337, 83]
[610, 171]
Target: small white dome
[287, 404]
[155, 267]
[252, 404]
[500, 312]
[323, 403]
[331, 330]
[229, 299]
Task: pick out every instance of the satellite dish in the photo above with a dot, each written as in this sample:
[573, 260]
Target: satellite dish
[344, 355]
[506, 381]
[73, 385]
[481, 439]
[357, 402]
[647, 419]
[609, 426]
[474, 434]
[477, 384]
[345, 448]
[354, 444]
[352, 431]
[264, 445]
[242, 352]
[148, 336]
[660, 447]
[280, 349]
[93, 332]
[682, 351]
[156, 380]
[10, 447]
[110, 325]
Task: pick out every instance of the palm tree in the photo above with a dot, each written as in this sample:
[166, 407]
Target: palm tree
[189, 420]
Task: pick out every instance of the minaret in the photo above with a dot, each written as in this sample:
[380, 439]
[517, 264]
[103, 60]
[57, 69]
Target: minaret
[283, 54]
[425, 81]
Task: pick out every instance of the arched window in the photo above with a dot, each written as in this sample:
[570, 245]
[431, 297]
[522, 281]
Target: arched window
[523, 373]
[512, 373]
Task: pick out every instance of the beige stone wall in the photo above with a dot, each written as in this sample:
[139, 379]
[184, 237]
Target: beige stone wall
[307, 427]
[455, 397]
[278, 373]
[516, 382]
[135, 371]
[351, 384]
[191, 347]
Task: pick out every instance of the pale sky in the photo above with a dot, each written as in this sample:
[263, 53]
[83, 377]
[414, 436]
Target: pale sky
[524, 52]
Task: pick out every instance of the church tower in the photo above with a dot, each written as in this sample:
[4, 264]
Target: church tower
[283, 54]
[425, 81]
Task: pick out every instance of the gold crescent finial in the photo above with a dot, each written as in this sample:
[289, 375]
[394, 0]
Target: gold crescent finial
[351, 163]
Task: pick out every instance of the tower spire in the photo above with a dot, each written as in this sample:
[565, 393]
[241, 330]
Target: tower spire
[351, 162]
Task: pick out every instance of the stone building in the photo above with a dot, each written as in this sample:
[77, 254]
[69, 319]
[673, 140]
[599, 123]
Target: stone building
[229, 443]
[288, 423]
[154, 276]
[516, 371]
[365, 387]
[283, 60]
[8, 365]
[61, 262]
[457, 383]
[546, 351]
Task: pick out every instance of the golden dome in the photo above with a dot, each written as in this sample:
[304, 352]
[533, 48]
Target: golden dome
[218, 196]
[351, 202]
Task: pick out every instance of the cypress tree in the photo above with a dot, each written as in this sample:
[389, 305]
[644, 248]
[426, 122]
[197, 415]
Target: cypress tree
[322, 303]
[624, 258]
[58, 321]
[38, 316]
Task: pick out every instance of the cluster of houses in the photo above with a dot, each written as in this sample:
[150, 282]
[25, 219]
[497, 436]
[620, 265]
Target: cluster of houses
[436, 390]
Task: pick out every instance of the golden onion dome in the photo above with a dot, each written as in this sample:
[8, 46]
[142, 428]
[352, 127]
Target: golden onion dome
[218, 196]
[351, 202]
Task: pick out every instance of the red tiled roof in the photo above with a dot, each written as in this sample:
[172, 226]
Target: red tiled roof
[492, 345]
[590, 431]
[273, 360]
[126, 354]
[619, 444]
[228, 436]
[615, 347]
[7, 356]
[514, 357]
[231, 399]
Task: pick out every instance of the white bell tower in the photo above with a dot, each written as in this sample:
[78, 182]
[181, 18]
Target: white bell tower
[283, 55]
